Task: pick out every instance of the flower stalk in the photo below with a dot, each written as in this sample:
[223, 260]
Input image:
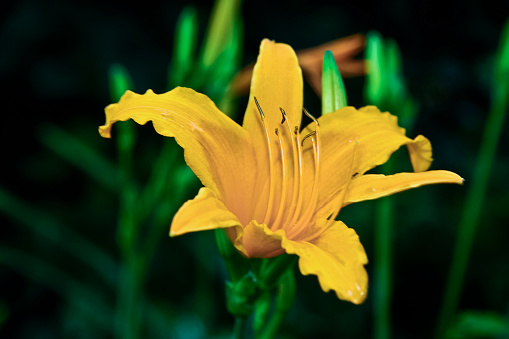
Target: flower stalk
[480, 177]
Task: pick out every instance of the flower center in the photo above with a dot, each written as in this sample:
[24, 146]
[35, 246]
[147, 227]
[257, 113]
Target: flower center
[295, 208]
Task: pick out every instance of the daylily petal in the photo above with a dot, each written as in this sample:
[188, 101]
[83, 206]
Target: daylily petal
[204, 212]
[276, 82]
[260, 242]
[337, 257]
[420, 153]
[377, 135]
[373, 186]
[218, 150]
[373, 136]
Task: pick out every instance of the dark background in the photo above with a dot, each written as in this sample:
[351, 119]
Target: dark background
[53, 65]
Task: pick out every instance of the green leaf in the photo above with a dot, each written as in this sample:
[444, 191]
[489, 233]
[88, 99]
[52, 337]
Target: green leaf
[373, 90]
[120, 81]
[385, 85]
[333, 89]
[502, 65]
[222, 21]
[80, 154]
[476, 324]
[184, 48]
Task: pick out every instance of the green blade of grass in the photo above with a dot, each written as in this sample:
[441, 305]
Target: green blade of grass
[80, 154]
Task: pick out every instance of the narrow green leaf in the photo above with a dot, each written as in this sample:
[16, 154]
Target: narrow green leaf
[184, 47]
[120, 81]
[476, 324]
[224, 69]
[502, 65]
[224, 16]
[373, 90]
[80, 154]
[333, 89]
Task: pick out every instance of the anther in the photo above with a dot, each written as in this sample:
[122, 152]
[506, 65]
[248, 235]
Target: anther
[259, 108]
[307, 136]
[284, 115]
[309, 116]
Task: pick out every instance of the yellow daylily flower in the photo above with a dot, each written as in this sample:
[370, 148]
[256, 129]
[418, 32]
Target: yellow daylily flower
[273, 187]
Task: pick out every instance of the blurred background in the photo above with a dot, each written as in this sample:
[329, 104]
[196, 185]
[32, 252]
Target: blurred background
[58, 215]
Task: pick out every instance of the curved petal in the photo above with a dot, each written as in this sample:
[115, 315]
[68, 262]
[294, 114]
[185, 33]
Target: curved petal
[218, 150]
[204, 212]
[337, 257]
[276, 82]
[372, 136]
[373, 186]
[258, 241]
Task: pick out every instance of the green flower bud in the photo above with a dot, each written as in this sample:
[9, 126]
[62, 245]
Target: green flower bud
[333, 89]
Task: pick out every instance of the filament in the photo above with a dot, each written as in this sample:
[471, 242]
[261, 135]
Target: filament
[275, 224]
[299, 198]
[268, 210]
[308, 213]
[297, 169]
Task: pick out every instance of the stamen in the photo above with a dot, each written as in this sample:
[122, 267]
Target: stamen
[306, 217]
[310, 134]
[259, 108]
[268, 210]
[296, 165]
[298, 206]
[275, 224]
[308, 213]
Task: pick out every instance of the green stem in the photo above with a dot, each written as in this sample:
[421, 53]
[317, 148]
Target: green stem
[471, 212]
[130, 292]
[283, 303]
[272, 326]
[384, 214]
[240, 328]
